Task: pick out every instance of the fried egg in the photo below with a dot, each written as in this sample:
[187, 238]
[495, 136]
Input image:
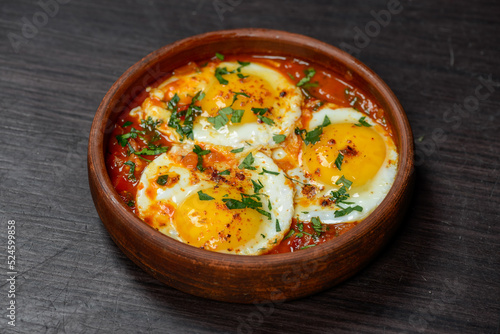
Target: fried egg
[240, 103]
[352, 151]
[239, 210]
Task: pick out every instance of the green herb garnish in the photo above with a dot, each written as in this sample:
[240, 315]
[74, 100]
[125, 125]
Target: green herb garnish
[226, 172]
[237, 150]
[266, 120]
[316, 224]
[347, 210]
[200, 153]
[344, 181]
[204, 197]
[162, 180]
[268, 172]
[219, 72]
[279, 138]
[152, 150]
[312, 137]
[184, 127]
[310, 72]
[247, 162]
[278, 227]
[362, 122]
[338, 161]
[131, 171]
[257, 186]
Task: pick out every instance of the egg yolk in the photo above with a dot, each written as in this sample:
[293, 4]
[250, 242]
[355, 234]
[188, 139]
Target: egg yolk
[209, 224]
[217, 96]
[363, 151]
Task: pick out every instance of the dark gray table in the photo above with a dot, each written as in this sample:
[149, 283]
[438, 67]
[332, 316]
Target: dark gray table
[441, 273]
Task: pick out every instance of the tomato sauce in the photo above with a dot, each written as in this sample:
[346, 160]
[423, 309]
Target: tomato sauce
[125, 169]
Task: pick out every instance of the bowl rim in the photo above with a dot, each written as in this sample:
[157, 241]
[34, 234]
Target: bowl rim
[97, 152]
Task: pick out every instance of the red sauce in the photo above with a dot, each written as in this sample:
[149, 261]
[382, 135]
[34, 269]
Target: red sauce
[300, 240]
[326, 86]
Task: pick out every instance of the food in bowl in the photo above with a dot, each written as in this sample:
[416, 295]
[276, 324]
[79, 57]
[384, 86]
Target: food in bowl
[253, 155]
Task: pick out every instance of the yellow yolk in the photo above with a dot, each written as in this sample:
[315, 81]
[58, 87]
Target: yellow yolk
[211, 225]
[219, 96]
[363, 152]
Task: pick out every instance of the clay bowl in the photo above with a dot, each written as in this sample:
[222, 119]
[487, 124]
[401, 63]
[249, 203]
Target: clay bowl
[234, 278]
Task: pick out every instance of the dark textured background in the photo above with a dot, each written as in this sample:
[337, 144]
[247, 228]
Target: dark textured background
[441, 273]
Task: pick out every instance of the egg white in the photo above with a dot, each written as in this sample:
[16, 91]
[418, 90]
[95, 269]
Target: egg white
[275, 189]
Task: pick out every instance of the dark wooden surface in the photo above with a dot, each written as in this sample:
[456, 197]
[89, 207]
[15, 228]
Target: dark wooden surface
[441, 272]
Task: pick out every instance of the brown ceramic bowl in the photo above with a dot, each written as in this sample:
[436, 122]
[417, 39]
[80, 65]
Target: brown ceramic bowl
[236, 278]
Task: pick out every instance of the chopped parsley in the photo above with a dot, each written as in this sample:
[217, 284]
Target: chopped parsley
[362, 122]
[340, 196]
[310, 84]
[308, 246]
[204, 197]
[278, 227]
[236, 94]
[127, 123]
[266, 120]
[131, 171]
[237, 150]
[279, 138]
[310, 72]
[260, 111]
[316, 224]
[162, 180]
[257, 186]
[294, 180]
[184, 127]
[242, 64]
[313, 136]
[152, 150]
[338, 161]
[200, 153]
[347, 210]
[247, 162]
[237, 116]
[219, 56]
[268, 172]
[247, 201]
[292, 232]
[226, 172]
[123, 139]
[150, 124]
[131, 202]
[223, 117]
[344, 181]
[219, 72]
